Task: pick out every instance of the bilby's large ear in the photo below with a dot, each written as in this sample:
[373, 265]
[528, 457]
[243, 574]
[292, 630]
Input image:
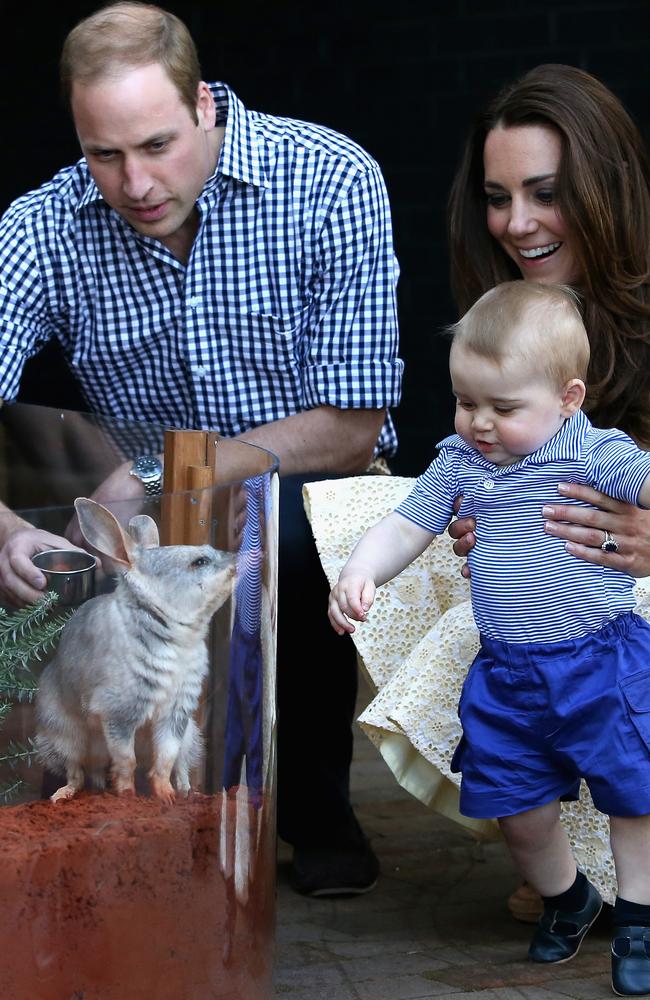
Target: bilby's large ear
[102, 530]
[144, 530]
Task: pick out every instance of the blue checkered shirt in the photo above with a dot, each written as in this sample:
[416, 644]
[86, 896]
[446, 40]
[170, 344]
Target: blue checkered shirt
[287, 302]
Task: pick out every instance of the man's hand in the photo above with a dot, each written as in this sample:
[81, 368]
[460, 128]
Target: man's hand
[20, 581]
[351, 597]
[583, 529]
[463, 531]
[121, 493]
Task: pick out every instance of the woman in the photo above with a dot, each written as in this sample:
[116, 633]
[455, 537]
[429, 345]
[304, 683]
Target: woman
[554, 186]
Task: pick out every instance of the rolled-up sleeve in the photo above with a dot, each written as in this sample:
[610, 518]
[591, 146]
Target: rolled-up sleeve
[24, 322]
[351, 352]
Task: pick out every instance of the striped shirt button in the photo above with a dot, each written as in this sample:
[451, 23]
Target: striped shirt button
[488, 484]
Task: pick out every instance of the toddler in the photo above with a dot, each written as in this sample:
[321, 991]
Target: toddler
[560, 688]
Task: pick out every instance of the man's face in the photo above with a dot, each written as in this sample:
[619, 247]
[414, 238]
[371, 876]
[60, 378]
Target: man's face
[147, 156]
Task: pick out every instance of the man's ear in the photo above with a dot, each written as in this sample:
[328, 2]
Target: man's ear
[206, 111]
[573, 396]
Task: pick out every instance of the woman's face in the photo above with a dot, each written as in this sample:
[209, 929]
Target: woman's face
[521, 166]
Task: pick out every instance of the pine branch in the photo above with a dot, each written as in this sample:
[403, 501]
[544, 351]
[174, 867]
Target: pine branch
[19, 752]
[24, 619]
[8, 791]
[25, 635]
[18, 689]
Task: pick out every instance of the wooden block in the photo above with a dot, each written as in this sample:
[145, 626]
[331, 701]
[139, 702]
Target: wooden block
[182, 449]
[198, 514]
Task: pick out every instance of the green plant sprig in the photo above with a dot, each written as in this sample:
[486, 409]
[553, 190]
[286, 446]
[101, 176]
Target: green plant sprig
[25, 635]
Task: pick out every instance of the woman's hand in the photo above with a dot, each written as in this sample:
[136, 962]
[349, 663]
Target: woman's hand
[583, 529]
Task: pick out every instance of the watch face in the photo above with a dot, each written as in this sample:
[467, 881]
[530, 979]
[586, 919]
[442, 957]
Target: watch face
[146, 466]
[148, 469]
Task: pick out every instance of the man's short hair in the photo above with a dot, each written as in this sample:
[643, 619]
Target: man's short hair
[126, 35]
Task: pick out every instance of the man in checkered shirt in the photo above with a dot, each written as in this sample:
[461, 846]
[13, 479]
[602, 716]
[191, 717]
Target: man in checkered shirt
[208, 266]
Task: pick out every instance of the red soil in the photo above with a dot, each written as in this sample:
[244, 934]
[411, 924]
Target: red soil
[106, 898]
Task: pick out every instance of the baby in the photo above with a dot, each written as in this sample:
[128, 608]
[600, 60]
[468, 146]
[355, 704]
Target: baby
[560, 688]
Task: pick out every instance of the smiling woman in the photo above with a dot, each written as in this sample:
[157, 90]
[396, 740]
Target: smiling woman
[521, 167]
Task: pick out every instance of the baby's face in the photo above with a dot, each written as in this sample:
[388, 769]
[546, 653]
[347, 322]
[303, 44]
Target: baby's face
[503, 411]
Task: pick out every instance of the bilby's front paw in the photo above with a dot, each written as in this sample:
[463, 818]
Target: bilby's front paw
[63, 793]
[162, 789]
[123, 785]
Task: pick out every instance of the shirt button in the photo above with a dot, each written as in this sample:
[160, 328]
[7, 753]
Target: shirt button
[201, 371]
[194, 302]
[488, 484]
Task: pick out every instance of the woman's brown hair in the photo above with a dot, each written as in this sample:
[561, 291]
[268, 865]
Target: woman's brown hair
[603, 195]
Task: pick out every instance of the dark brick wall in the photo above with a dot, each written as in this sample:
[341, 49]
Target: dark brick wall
[403, 78]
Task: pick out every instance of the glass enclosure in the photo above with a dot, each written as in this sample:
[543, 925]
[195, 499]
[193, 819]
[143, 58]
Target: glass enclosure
[137, 725]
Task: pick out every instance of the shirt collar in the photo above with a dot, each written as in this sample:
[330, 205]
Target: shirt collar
[239, 157]
[91, 192]
[565, 445]
[239, 153]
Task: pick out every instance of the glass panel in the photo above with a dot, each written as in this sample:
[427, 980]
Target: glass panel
[159, 892]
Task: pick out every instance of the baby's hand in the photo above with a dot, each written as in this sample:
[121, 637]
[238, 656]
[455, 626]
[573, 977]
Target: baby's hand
[351, 597]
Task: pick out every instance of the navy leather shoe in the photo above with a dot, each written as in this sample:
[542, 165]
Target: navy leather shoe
[560, 933]
[631, 961]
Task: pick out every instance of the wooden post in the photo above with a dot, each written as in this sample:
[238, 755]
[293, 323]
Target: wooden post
[199, 509]
[185, 517]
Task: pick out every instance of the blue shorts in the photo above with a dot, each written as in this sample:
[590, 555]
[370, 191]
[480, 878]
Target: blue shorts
[537, 717]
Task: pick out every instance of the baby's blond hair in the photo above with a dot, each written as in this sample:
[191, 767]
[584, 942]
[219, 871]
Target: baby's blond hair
[524, 321]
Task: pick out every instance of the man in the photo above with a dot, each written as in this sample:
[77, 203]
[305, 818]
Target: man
[209, 266]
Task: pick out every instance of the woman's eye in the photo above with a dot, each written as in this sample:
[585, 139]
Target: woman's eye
[546, 196]
[496, 200]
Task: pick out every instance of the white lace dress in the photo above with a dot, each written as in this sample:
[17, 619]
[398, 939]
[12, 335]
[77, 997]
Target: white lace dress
[416, 648]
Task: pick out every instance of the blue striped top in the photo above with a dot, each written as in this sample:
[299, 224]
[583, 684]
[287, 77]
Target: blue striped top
[525, 586]
[287, 301]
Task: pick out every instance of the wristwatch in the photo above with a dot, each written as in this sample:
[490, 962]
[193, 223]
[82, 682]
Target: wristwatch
[148, 469]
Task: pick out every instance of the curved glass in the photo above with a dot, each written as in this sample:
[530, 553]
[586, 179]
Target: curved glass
[151, 877]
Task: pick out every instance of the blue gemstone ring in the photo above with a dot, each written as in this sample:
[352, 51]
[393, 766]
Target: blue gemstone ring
[610, 544]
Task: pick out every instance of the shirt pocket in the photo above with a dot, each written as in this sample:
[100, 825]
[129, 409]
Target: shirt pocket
[266, 343]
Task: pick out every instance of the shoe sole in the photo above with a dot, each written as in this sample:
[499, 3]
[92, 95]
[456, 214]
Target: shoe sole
[628, 994]
[569, 958]
[342, 891]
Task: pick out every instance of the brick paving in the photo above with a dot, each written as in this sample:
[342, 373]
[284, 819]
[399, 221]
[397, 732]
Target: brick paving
[436, 925]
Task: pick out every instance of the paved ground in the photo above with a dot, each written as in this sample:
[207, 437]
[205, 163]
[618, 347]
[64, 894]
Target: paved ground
[435, 926]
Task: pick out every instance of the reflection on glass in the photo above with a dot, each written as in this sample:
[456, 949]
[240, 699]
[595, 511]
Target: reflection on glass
[162, 690]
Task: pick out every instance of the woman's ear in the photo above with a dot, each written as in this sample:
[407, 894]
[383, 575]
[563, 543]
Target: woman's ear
[573, 396]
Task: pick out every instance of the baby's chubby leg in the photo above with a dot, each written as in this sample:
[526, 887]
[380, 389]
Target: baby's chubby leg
[540, 848]
[630, 840]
